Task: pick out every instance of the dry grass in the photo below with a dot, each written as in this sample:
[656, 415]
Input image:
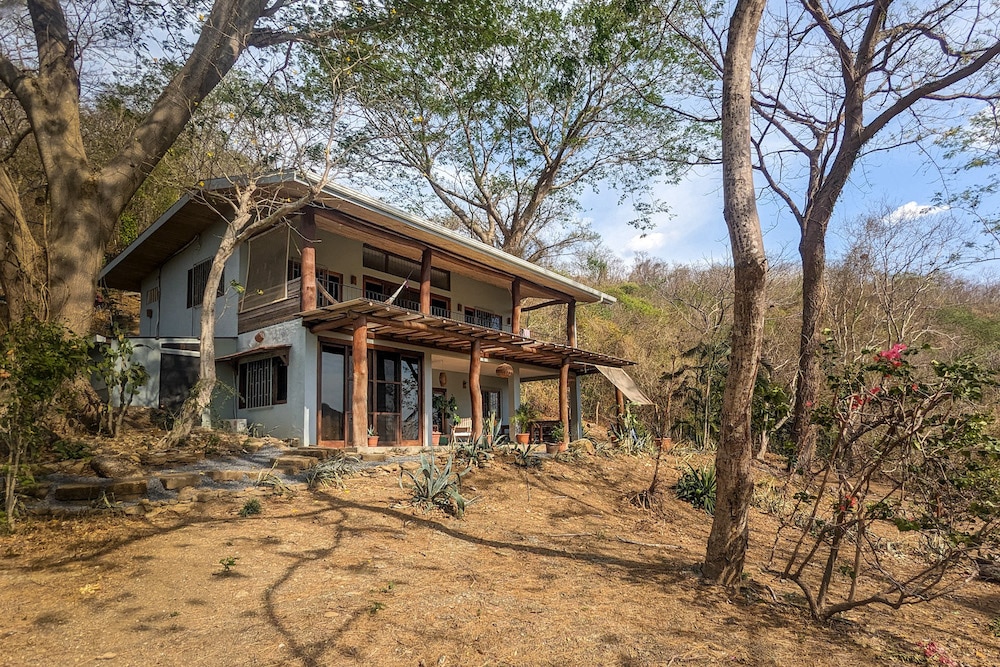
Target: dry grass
[550, 567]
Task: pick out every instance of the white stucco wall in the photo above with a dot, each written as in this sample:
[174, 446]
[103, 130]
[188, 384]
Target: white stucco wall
[171, 317]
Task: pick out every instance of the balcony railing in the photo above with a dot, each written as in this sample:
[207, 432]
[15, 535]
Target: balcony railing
[348, 292]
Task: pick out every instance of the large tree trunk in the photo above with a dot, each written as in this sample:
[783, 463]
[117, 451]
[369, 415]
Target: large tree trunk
[812, 250]
[727, 542]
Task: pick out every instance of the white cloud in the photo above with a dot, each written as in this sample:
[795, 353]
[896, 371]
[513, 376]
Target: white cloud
[912, 210]
[646, 243]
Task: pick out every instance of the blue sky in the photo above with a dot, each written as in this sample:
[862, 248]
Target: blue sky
[694, 231]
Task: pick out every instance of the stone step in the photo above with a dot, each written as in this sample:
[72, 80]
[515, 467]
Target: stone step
[292, 465]
[122, 489]
[321, 453]
[172, 481]
[226, 475]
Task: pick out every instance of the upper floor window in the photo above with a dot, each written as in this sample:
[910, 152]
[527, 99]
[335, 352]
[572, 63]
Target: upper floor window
[483, 318]
[394, 265]
[329, 281]
[197, 280]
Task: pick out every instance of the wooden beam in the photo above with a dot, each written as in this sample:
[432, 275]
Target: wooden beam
[544, 304]
[564, 403]
[307, 294]
[515, 309]
[359, 398]
[475, 390]
[571, 323]
[425, 282]
[620, 401]
[420, 326]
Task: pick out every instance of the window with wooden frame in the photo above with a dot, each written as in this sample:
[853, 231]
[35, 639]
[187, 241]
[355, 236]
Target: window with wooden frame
[396, 265]
[197, 280]
[328, 280]
[263, 382]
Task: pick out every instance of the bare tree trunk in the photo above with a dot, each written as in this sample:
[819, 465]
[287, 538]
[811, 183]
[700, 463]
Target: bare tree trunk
[812, 249]
[201, 395]
[727, 542]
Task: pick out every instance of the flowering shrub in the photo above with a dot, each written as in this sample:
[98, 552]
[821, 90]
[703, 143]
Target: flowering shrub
[913, 437]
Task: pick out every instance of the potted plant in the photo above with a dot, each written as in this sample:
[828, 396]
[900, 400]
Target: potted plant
[446, 407]
[523, 416]
[557, 445]
[372, 437]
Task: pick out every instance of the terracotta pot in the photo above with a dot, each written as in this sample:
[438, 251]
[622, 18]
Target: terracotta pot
[553, 448]
[373, 441]
[522, 438]
[435, 438]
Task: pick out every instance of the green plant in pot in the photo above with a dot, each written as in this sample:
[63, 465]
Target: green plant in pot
[523, 416]
[447, 407]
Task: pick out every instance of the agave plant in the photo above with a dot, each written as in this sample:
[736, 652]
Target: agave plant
[697, 486]
[437, 486]
[332, 471]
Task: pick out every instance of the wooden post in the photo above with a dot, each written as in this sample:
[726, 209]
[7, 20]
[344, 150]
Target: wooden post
[359, 398]
[425, 282]
[571, 323]
[564, 403]
[475, 393]
[620, 400]
[307, 291]
[515, 307]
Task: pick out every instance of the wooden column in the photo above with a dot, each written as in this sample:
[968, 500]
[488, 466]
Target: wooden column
[425, 282]
[515, 307]
[620, 400]
[475, 393]
[571, 323]
[564, 403]
[359, 398]
[307, 293]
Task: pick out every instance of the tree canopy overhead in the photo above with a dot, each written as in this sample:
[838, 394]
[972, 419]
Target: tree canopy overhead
[499, 130]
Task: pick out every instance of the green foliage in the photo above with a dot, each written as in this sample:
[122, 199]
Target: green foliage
[432, 486]
[71, 450]
[921, 432]
[228, 563]
[476, 452]
[122, 376]
[332, 471]
[994, 626]
[697, 486]
[37, 359]
[525, 456]
[251, 507]
[630, 434]
[525, 414]
[447, 406]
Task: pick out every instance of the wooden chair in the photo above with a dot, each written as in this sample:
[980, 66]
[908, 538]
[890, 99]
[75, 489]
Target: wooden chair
[462, 431]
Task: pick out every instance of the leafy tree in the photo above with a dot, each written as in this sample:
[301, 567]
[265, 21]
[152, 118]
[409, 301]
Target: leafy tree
[54, 233]
[505, 126]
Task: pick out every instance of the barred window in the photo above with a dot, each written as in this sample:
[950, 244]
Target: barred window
[263, 382]
[483, 318]
[197, 279]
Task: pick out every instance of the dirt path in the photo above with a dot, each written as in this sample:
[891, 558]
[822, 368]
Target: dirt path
[548, 568]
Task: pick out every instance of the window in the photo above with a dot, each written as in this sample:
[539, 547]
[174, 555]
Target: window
[153, 295]
[329, 281]
[394, 265]
[263, 382]
[197, 280]
[491, 404]
[483, 318]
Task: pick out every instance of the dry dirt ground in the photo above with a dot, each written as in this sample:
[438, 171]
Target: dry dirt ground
[549, 567]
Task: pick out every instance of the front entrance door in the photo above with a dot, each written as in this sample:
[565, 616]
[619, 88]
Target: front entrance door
[394, 398]
[334, 395]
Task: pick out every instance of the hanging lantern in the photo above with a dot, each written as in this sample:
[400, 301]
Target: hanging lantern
[442, 379]
[505, 370]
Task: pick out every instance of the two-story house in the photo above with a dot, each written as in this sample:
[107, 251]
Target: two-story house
[350, 316]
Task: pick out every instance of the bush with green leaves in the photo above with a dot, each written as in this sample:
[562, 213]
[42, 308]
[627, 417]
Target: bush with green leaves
[911, 445]
[37, 360]
[434, 486]
[630, 435]
[122, 376]
[525, 455]
[697, 486]
[251, 507]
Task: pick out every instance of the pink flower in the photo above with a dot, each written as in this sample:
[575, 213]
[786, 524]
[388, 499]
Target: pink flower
[894, 355]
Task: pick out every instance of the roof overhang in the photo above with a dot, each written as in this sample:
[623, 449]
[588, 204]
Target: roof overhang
[189, 216]
[273, 350]
[406, 326]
